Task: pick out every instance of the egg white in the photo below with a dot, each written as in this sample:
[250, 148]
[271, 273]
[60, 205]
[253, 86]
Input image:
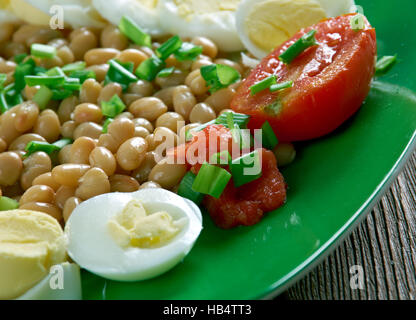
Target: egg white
[142, 13]
[92, 247]
[218, 26]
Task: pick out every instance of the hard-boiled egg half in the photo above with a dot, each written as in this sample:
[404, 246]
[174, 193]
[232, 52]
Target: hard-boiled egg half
[132, 237]
[213, 19]
[265, 24]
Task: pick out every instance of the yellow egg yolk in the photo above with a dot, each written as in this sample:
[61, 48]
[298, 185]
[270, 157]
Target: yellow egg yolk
[187, 8]
[272, 22]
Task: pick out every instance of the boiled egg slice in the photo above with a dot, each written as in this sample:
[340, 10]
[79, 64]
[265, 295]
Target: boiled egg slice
[265, 24]
[6, 15]
[143, 12]
[77, 13]
[212, 19]
[132, 237]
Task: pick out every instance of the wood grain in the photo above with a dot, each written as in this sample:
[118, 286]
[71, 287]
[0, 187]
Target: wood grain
[384, 245]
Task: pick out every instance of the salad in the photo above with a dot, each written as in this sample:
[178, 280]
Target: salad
[121, 122]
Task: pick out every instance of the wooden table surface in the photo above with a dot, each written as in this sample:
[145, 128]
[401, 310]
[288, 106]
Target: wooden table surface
[384, 245]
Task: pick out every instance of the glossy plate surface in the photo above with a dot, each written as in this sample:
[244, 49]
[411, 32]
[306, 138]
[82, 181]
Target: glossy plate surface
[334, 182]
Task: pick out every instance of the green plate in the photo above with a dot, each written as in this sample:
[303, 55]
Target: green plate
[334, 182]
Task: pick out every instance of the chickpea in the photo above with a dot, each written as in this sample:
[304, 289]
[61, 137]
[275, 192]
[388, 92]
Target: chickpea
[202, 113]
[285, 154]
[150, 185]
[132, 55]
[129, 98]
[184, 130]
[142, 122]
[11, 166]
[142, 88]
[100, 55]
[221, 99]
[38, 193]
[82, 40]
[141, 174]
[87, 112]
[123, 183]
[131, 153]
[171, 120]
[90, 91]
[63, 194]
[49, 63]
[6, 31]
[201, 62]
[167, 174]
[66, 107]
[33, 166]
[11, 49]
[69, 174]
[47, 208]
[21, 142]
[64, 155]
[175, 79]
[149, 108]
[111, 37]
[46, 179]
[65, 54]
[93, 183]
[109, 91]
[58, 43]
[48, 125]
[26, 116]
[164, 139]
[102, 158]
[225, 110]
[69, 207]
[3, 145]
[196, 83]
[183, 101]
[141, 132]
[166, 95]
[109, 142]
[100, 71]
[68, 128]
[126, 114]
[88, 129]
[209, 47]
[81, 149]
[7, 66]
[121, 129]
[8, 131]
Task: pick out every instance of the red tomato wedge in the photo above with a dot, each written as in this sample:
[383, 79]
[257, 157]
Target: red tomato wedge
[331, 80]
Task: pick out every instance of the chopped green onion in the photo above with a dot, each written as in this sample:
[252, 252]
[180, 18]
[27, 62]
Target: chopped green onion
[8, 204]
[185, 189]
[12, 96]
[3, 103]
[36, 146]
[128, 65]
[165, 72]
[269, 139]
[56, 71]
[241, 137]
[106, 124]
[241, 167]
[83, 75]
[291, 53]
[42, 97]
[132, 31]
[357, 22]
[113, 107]
[149, 69]
[263, 84]
[42, 51]
[72, 84]
[281, 86]
[211, 180]
[62, 143]
[222, 158]
[385, 64]
[20, 57]
[76, 66]
[61, 93]
[32, 81]
[119, 74]
[273, 108]
[188, 51]
[169, 47]
[219, 76]
[22, 70]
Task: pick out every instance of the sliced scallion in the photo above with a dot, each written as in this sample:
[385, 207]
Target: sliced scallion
[20, 57]
[188, 51]
[22, 70]
[281, 86]
[291, 53]
[385, 64]
[269, 139]
[149, 69]
[221, 158]
[42, 51]
[119, 74]
[76, 66]
[106, 124]
[211, 180]
[132, 31]
[32, 81]
[185, 189]
[42, 97]
[218, 76]
[169, 47]
[263, 84]
[113, 107]
[165, 72]
[36, 146]
[3, 103]
[83, 75]
[357, 22]
[246, 168]
[7, 204]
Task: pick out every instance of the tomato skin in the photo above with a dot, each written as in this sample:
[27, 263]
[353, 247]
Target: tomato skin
[331, 81]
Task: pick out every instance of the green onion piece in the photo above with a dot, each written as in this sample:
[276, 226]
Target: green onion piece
[76, 66]
[188, 51]
[222, 158]
[211, 180]
[42, 97]
[36, 146]
[246, 168]
[73, 84]
[3, 103]
[106, 124]
[291, 53]
[32, 81]
[20, 57]
[269, 139]
[22, 70]
[113, 107]
[149, 69]
[42, 51]
[385, 64]
[219, 76]
[185, 189]
[62, 143]
[263, 84]
[83, 75]
[12, 96]
[126, 65]
[357, 22]
[8, 204]
[61, 94]
[119, 74]
[132, 31]
[169, 47]
[281, 86]
[165, 72]
[56, 71]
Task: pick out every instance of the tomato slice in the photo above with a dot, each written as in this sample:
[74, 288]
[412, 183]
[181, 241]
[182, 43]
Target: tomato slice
[331, 80]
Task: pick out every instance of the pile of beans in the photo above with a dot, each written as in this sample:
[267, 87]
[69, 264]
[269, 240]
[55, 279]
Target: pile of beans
[123, 159]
